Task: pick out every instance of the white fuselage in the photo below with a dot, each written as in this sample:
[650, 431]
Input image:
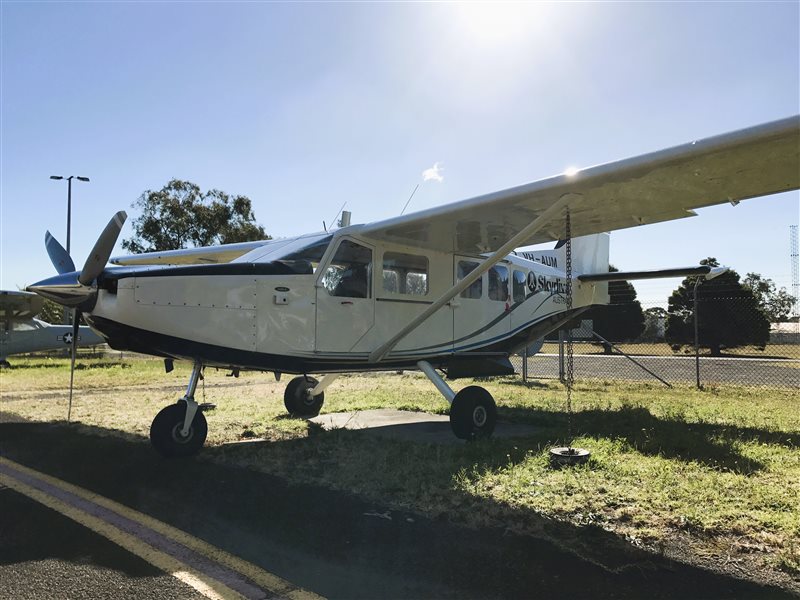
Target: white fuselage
[239, 314]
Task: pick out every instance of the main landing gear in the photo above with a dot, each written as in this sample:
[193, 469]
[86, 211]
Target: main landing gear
[473, 412]
[180, 429]
[304, 395]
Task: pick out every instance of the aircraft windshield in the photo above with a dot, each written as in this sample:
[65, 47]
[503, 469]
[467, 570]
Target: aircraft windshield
[303, 255]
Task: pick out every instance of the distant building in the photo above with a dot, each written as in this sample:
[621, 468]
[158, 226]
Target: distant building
[784, 333]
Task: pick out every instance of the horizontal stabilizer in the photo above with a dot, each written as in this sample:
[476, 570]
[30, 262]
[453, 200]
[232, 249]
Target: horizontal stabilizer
[702, 271]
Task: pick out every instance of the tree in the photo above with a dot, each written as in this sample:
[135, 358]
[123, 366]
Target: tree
[776, 304]
[51, 312]
[180, 216]
[655, 318]
[622, 319]
[728, 314]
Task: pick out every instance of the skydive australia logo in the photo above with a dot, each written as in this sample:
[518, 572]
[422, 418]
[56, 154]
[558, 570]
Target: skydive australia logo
[542, 283]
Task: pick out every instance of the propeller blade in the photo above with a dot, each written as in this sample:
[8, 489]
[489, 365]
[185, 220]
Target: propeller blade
[101, 252]
[76, 319]
[58, 256]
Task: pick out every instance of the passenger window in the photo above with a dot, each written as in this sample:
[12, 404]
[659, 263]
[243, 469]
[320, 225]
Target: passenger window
[519, 284]
[498, 283]
[350, 272]
[390, 281]
[405, 273]
[475, 291]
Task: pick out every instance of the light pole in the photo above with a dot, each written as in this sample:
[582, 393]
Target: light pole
[69, 199]
[69, 217]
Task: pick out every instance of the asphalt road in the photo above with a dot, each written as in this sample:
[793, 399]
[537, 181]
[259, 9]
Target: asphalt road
[674, 369]
[324, 541]
[44, 554]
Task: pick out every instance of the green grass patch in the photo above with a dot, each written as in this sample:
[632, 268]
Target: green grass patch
[721, 466]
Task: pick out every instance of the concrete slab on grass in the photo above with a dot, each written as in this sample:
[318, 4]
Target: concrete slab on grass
[409, 425]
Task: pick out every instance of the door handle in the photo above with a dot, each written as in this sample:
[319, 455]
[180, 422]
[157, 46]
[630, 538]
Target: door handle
[346, 302]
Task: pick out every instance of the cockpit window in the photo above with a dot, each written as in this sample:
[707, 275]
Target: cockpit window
[350, 271]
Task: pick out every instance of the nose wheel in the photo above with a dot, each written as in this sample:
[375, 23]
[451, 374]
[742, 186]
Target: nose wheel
[180, 429]
[167, 432]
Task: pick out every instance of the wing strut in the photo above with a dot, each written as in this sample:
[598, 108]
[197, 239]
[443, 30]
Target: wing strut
[534, 226]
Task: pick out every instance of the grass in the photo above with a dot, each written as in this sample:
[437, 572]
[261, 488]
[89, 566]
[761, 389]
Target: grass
[770, 351]
[719, 468]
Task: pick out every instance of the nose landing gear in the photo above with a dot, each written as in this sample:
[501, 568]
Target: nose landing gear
[181, 429]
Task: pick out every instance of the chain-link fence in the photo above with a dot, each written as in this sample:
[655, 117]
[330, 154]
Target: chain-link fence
[716, 340]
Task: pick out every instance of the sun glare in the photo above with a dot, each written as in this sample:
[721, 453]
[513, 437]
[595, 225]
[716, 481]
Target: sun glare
[496, 22]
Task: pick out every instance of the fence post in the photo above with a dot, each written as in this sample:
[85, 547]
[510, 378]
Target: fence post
[561, 376]
[525, 365]
[696, 334]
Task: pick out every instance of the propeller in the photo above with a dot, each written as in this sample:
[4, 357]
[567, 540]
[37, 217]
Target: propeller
[58, 256]
[76, 289]
[102, 249]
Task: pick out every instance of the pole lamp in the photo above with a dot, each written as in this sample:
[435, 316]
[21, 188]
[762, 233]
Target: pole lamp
[69, 199]
[69, 217]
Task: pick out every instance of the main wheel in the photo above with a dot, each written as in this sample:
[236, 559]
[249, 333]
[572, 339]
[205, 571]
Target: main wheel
[297, 399]
[473, 413]
[165, 432]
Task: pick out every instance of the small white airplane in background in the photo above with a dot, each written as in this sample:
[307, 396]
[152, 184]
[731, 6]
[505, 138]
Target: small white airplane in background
[21, 333]
[437, 289]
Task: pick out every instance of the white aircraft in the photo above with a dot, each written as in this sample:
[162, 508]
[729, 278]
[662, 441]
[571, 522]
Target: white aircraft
[437, 289]
[21, 333]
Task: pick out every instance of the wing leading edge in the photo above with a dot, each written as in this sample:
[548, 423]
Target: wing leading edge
[191, 256]
[650, 188]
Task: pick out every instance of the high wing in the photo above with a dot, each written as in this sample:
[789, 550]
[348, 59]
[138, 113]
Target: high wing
[192, 256]
[650, 188]
[19, 305]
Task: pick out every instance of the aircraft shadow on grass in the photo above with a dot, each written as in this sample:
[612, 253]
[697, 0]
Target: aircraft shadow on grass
[713, 445]
[291, 529]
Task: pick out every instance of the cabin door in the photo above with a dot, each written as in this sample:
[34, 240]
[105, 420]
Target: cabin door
[345, 305]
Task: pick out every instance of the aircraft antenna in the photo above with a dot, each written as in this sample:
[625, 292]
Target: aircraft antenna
[337, 214]
[795, 260]
[416, 187]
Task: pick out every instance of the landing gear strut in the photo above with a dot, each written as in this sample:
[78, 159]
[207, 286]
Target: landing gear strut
[473, 412]
[180, 429]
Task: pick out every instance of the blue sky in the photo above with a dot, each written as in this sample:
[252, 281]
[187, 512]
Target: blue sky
[302, 107]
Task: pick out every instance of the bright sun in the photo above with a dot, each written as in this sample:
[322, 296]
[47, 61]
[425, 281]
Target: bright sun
[491, 23]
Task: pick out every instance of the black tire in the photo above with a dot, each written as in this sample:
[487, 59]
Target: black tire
[165, 432]
[298, 402]
[473, 413]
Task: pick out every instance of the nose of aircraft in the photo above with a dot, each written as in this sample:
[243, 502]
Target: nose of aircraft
[67, 290]
[76, 289]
